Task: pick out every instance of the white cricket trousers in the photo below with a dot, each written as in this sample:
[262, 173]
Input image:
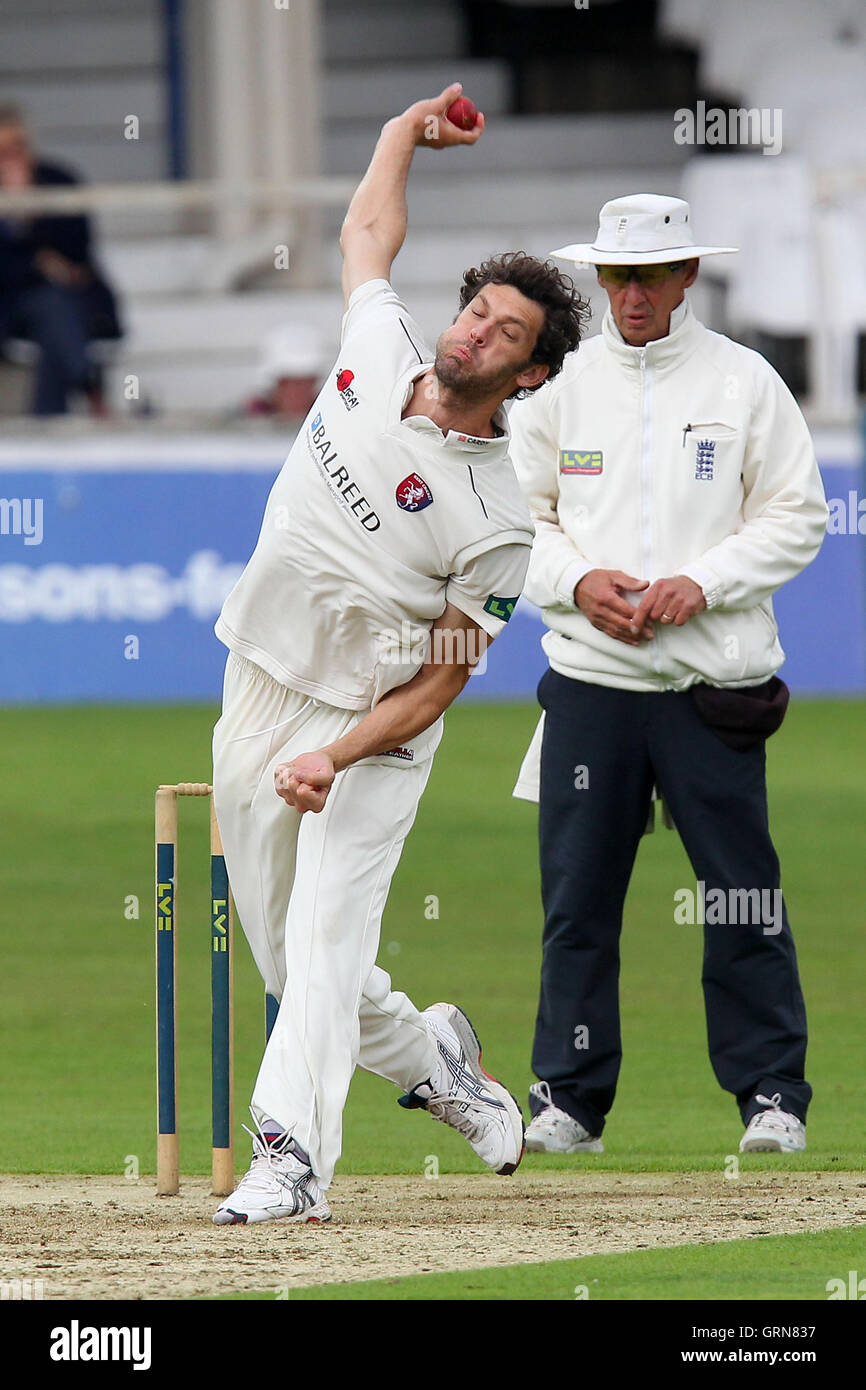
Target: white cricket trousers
[310, 892]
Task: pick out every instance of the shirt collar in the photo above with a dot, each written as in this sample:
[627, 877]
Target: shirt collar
[661, 350]
[453, 439]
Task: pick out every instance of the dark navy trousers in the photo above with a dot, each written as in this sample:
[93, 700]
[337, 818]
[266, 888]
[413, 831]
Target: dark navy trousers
[589, 834]
[55, 318]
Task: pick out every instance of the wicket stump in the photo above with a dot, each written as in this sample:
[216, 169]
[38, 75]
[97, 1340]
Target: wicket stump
[222, 997]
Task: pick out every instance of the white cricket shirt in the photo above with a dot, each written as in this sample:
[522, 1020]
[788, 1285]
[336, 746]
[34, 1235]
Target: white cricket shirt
[374, 524]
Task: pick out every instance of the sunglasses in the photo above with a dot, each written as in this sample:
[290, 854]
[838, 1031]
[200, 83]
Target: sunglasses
[650, 276]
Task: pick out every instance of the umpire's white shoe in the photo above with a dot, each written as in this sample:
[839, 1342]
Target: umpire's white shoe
[279, 1185]
[553, 1131]
[463, 1095]
[773, 1130]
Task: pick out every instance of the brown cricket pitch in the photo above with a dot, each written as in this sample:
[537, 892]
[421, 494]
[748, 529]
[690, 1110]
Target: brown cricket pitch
[112, 1238]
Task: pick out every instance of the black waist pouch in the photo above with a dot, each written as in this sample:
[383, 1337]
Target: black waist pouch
[742, 718]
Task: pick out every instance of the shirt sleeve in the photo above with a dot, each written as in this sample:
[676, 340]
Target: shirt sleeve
[784, 509]
[488, 586]
[374, 307]
[557, 564]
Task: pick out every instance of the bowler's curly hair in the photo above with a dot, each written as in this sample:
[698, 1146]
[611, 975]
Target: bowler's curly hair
[566, 312]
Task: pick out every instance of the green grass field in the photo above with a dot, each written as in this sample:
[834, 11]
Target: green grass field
[767, 1269]
[77, 982]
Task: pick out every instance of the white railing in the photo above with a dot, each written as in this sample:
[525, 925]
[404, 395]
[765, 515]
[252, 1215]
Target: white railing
[287, 213]
[193, 193]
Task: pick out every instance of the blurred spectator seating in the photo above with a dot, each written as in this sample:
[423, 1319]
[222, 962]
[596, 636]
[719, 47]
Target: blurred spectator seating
[54, 300]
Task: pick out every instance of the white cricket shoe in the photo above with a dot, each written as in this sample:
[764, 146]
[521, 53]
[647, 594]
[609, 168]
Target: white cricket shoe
[773, 1130]
[463, 1095]
[553, 1131]
[279, 1185]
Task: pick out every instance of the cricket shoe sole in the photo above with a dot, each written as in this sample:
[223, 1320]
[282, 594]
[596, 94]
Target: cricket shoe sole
[225, 1216]
[465, 1096]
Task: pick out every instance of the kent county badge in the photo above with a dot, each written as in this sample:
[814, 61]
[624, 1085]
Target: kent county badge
[413, 494]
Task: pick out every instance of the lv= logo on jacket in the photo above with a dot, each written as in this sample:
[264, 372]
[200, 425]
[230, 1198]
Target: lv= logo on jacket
[580, 461]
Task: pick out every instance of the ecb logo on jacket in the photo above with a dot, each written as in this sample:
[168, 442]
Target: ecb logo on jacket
[580, 461]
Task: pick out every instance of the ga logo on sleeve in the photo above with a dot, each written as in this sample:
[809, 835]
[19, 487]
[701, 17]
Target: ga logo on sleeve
[501, 608]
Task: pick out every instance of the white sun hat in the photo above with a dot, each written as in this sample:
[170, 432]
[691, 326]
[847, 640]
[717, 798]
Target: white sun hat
[294, 350]
[641, 229]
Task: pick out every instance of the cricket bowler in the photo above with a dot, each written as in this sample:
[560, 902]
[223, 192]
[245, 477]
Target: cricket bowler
[394, 547]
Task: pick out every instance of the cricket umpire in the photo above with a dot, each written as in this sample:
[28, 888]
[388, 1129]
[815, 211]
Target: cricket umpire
[674, 487]
[394, 547]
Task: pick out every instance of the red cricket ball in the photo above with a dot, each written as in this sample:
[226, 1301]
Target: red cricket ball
[463, 113]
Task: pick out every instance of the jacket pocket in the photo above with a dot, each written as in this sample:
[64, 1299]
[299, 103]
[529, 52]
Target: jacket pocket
[768, 620]
[710, 429]
[707, 446]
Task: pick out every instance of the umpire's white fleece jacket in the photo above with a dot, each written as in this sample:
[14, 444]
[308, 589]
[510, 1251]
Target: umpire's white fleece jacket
[688, 456]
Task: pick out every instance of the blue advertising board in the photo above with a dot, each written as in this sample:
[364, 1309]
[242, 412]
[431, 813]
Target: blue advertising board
[114, 563]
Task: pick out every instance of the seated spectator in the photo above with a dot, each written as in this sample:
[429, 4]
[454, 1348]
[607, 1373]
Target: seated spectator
[51, 292]
[294, 360]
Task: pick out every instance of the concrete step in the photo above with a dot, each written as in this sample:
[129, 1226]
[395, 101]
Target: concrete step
[377, 91]
[438, 259]
[195, 325]
[56, 108]
[129, 39]
[522, 144]
[93, 9]
[512, 146]
[377, 30]
[101, 157]
[158, 265]
[374, 92]
[465, 199]
[203, 388]
[347, 10]
[461, 197]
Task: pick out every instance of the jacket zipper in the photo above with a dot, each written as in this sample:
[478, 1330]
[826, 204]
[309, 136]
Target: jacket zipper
[646, 485]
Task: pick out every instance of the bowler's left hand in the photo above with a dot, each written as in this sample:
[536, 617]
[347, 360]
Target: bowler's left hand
[305, 782]
[670, 602]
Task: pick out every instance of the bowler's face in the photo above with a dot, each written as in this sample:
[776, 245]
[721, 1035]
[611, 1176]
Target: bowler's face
[642, 313]
[491, 341]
